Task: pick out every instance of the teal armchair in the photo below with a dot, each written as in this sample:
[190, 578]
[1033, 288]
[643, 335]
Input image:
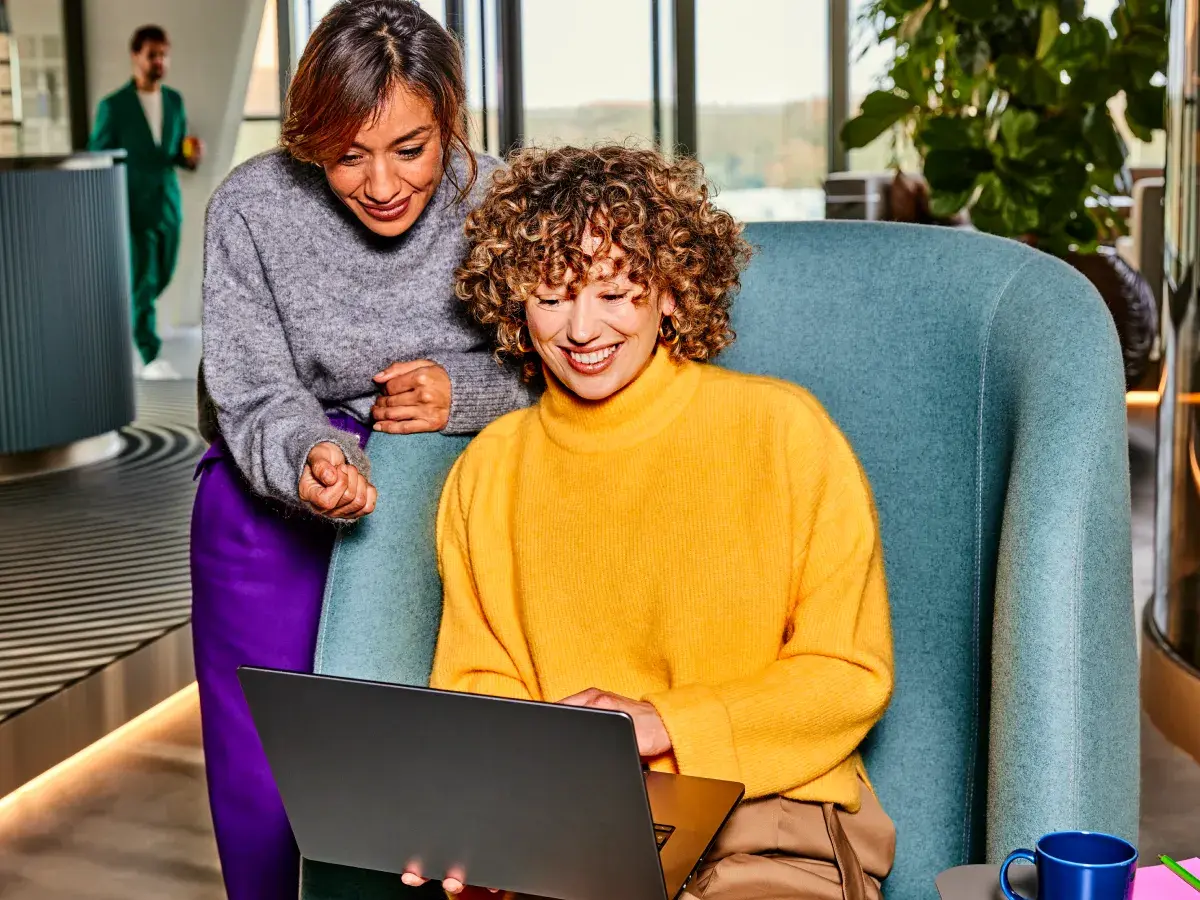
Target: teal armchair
[980, 383]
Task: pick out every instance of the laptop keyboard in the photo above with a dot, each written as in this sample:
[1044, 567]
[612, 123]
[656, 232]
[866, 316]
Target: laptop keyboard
[661, 833]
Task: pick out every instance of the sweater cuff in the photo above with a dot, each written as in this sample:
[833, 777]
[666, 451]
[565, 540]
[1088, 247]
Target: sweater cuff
[700, 730]
[481, 390]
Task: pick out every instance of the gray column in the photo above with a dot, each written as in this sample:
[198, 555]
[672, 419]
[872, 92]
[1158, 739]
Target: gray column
[66, 368]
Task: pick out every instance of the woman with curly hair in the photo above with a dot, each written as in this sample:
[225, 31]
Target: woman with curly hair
[695, 547]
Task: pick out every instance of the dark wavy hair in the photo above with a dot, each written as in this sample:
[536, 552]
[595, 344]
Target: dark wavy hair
[355, 59]
[145, 35]
[530, 227]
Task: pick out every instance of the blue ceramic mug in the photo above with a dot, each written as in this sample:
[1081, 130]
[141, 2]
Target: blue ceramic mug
[1077, 865]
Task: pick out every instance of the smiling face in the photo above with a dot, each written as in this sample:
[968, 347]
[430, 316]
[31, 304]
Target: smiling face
[599, 340]
[391, 171]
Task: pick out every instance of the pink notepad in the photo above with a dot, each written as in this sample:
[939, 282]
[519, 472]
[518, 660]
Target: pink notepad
[1160, 883]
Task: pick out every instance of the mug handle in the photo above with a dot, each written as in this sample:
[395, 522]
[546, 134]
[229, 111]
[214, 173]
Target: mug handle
[1005, 884]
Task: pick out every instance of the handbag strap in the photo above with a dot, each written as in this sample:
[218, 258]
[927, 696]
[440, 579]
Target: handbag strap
[854, 882]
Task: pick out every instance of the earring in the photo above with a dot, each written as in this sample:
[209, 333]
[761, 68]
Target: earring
[668, 332]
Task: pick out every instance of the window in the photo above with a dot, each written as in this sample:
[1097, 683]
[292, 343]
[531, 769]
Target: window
[260, 114]
[869, 63]
[37, 35]
[310, 13]
[762, 95]
[483, 74]
[1141, 154]
[307, 15]
[587, 77]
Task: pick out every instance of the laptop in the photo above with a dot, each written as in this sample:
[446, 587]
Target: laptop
[535, 798]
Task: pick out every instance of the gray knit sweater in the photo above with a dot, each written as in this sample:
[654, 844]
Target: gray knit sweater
[302, 305]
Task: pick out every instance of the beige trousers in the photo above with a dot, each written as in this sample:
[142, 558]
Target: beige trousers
[777, 849]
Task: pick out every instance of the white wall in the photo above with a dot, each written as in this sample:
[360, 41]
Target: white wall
[38, 27]
[212, 48]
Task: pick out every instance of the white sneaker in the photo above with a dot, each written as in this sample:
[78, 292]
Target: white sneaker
[160, 370]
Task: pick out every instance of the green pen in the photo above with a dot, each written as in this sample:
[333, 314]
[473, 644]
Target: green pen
[1179, 870]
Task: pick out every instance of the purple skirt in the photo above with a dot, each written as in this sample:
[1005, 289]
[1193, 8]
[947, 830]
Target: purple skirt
[258, 577]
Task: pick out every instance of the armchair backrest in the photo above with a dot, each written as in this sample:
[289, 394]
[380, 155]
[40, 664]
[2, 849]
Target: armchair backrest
[981, 385]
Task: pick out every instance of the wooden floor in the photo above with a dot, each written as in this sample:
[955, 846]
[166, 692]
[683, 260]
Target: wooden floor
[130, 823]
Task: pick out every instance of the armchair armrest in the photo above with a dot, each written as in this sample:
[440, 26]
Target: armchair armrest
[1065, 720]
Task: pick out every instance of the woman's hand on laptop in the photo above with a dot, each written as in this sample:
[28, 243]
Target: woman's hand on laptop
[451, 884]
[652, 736]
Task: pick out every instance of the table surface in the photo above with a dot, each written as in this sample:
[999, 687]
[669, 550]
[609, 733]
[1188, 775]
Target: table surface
[983, 882]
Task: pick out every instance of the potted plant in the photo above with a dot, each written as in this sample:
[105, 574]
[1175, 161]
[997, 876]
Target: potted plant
[1008, 105]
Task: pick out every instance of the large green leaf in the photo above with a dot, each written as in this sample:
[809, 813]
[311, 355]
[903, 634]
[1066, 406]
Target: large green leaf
[945, 205]
[1107, 148]
[1149, 11]
[975, 10]
[1087, 43]
[1081, 227]
[986, 212]
[897, 8]
[1069, 189]
[880, 111]
[1145, 111]
[948, 133]
[1016, 130]
[1010, 71]
[1139, 60]
[910, 25]
[973, 53]
[1043, 88]
[1049, 30]
[911, 77]
[955, 171]
[1020, 217]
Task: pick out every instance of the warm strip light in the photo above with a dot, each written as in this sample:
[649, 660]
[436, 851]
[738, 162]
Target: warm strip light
[187, 695]
[1152, 398]
[1142, 398]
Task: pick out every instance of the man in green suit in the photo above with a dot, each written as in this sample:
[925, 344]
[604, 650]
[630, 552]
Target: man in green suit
[146, 119]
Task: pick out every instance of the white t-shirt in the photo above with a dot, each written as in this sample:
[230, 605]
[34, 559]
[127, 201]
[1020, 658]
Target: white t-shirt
[152, 107]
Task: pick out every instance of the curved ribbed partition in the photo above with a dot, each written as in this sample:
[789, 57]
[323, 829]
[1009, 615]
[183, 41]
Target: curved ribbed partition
[65, 346]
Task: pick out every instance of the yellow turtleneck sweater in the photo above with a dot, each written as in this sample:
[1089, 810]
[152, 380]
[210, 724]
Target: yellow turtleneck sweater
[703, 540]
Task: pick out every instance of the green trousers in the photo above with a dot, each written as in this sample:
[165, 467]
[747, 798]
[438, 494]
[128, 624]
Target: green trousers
[154, 254]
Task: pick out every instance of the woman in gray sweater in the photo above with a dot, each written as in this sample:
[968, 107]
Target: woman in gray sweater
[328, 309]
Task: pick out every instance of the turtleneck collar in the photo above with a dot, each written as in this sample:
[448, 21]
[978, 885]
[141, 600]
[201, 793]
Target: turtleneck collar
[635, 414]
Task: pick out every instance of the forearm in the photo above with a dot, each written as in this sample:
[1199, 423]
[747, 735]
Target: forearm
[490, 684]
[267, 416]
[270, 432]
[780, 729]
[471, 656]
[473, 647]
[481, 390]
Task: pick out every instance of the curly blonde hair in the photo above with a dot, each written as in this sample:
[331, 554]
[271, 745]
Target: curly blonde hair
[531, 224]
